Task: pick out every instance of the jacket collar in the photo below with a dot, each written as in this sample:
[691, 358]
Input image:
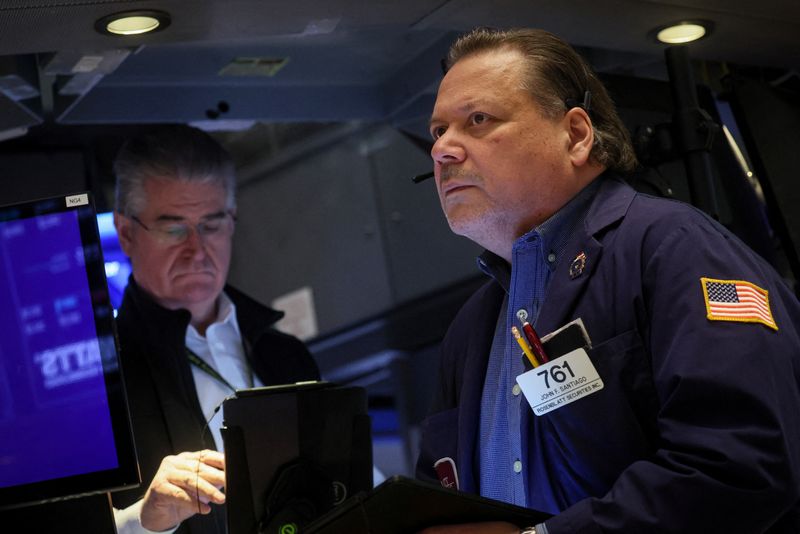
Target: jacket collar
[583, 253]
[610, 205]
[254, 318]
[160, 322]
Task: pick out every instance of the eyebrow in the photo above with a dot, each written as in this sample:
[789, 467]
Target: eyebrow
[179, 218]
[462, 109]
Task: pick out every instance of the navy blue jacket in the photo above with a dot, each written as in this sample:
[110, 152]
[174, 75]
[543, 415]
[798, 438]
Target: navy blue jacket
[697, 427]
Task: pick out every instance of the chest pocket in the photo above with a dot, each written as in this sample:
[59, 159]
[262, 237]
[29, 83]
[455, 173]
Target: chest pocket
[621, 418]
[580, 449]
[624, 364]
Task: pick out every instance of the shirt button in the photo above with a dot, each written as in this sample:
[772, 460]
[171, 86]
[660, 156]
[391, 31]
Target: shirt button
[551, 257]
[522, 314]
[517, 466]
[515, 390]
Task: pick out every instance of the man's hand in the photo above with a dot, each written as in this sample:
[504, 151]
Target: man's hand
[183, 486]
[494, 527]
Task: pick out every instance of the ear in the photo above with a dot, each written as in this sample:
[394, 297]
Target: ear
[124, 232]
[581, 135]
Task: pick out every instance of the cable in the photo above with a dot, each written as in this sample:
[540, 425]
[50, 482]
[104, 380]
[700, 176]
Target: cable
[200, 460]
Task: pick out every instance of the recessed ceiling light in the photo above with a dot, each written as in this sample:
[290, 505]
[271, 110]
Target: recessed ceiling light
[133, 22]
[682, 32]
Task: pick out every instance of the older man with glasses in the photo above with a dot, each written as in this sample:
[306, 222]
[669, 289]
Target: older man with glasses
[186, 339]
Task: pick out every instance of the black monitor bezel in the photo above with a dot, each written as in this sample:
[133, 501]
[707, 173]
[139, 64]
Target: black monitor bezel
[126, 474]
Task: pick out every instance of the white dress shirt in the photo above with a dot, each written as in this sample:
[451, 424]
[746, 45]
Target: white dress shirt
[222, 349]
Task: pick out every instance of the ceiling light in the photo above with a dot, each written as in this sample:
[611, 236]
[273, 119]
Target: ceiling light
[682, 32]
[133, 22]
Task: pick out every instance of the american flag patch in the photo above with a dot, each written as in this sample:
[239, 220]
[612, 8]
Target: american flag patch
[736, 300]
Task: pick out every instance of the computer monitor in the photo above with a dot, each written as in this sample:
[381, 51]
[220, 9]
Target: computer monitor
[63, 410]
[293, 452]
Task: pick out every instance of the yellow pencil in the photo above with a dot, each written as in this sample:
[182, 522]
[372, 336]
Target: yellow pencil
[525, 347]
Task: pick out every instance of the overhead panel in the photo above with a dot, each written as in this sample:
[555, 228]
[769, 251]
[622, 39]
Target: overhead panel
[15, 119]
[254, 66]
[321, 77]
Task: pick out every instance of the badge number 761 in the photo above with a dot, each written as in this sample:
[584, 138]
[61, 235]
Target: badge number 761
[558, 373]
[560, 382]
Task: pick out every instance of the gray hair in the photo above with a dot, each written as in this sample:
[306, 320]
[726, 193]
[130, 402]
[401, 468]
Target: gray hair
[554, 75]
[175, 152]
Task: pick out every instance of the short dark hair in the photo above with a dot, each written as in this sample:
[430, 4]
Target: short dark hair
[173, 152]
[556, 74]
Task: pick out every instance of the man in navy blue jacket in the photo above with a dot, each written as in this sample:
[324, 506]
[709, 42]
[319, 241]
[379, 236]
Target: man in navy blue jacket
[679, 414]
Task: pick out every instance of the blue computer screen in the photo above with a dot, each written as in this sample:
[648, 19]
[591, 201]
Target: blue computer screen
[51, 376]
[63, 419]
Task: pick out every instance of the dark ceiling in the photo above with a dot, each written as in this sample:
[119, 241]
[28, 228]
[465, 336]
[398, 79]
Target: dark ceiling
[344, 59]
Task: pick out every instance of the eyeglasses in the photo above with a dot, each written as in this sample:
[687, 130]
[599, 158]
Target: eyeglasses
[176, 233]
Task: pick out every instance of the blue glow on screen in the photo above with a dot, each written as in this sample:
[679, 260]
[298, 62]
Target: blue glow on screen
[117, 265]
[54, 417]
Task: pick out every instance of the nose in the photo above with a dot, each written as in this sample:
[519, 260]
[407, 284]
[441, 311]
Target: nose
[195, 243]
[448, 149]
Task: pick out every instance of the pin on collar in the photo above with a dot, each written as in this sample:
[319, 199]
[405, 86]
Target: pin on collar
[577, 266]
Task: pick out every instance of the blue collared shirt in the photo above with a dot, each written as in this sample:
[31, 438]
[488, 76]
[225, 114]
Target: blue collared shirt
[534, 257]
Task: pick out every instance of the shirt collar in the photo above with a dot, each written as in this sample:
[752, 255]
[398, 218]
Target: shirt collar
[226, 312]
[226, 315]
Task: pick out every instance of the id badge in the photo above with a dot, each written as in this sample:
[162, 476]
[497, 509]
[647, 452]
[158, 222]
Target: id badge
[559, 382]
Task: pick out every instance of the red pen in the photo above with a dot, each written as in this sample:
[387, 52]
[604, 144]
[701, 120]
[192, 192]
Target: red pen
[536, 343]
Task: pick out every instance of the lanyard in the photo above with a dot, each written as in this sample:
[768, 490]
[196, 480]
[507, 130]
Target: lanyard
[198, 362]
